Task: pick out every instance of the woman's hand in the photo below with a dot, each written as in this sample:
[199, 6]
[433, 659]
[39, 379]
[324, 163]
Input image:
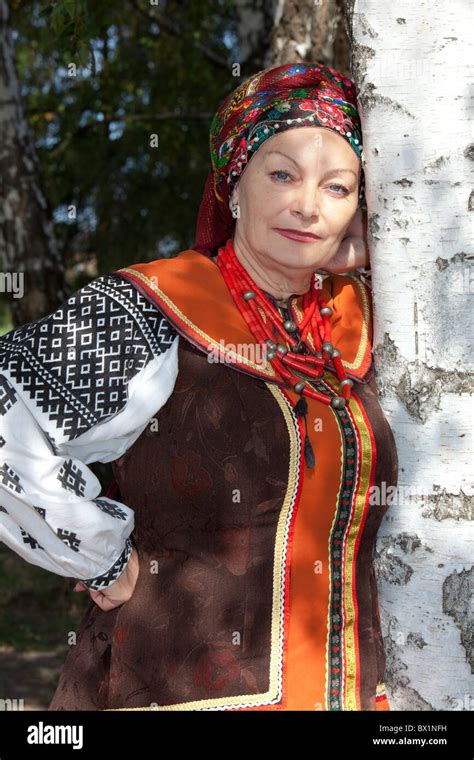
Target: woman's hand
[353, 251]
[118, 592]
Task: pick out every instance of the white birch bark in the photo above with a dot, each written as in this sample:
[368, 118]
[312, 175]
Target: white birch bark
[309, 30]
[32, 273]
[412, 64]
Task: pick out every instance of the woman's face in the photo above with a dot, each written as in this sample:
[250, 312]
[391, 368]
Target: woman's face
[304, 179]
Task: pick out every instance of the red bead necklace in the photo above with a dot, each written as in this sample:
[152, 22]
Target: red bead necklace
[249, 297]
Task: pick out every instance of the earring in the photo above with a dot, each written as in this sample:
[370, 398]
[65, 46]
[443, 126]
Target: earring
[235, 211]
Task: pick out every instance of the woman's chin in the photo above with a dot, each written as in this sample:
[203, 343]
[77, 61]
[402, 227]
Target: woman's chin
[296, 256]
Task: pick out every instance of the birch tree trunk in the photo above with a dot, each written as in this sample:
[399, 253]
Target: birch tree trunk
[290, 31]
[32, 273]
[411, 67]
[310, 30]
[255, 19]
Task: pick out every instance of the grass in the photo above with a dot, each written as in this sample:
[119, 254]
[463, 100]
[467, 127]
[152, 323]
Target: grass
[5, 319]
[38, 609]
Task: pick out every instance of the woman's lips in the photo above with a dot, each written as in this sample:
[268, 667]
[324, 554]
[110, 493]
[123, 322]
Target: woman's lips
[299, 236]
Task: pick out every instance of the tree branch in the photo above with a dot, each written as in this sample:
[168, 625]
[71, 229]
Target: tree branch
[174, 29]
[165, 116]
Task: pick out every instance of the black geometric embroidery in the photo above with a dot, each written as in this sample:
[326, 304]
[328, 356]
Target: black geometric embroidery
[30, 540]
[76, 363]
[110, 509]
[10, 479]
[7, 395]
[41, 511]
[105, 580]
[2, 441]
[69, 538]
[2, 509]
[70, 477]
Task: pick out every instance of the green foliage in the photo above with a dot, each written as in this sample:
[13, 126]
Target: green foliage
[28, 596]
[100, 82]
[5, 318]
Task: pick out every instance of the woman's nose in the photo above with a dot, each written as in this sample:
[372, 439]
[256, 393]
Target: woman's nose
[306, 201]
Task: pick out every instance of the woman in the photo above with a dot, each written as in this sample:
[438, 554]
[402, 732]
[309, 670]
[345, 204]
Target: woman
[232, 388]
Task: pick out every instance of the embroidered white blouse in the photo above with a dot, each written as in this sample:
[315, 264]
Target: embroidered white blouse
[78, 386]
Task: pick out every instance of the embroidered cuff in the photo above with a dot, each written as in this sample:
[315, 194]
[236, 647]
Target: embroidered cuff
[106, 579]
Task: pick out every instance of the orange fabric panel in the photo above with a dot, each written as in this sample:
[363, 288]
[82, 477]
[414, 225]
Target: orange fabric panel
[309, 590]
[172, 282]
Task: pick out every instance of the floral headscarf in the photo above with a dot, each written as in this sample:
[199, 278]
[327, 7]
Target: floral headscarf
[269, 102]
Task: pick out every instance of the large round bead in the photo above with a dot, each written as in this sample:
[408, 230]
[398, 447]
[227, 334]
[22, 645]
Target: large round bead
[328, 348]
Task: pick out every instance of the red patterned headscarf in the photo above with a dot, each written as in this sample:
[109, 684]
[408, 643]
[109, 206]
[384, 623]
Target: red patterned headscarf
[267, 103]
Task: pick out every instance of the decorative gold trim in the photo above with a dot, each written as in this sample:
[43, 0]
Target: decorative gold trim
[365, 323]
[238, 358]
[326, 378]
[358, 508]
[279, 569]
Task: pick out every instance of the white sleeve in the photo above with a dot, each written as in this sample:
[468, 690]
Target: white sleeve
[78, 386]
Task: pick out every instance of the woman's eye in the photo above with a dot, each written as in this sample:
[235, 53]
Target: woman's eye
[280, 171]
[341, 187]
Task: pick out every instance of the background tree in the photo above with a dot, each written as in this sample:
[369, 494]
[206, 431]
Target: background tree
[276, 33]
[410, 64]
[119, 101]
[28, 241]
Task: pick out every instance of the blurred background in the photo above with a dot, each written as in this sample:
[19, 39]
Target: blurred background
[105, 116]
